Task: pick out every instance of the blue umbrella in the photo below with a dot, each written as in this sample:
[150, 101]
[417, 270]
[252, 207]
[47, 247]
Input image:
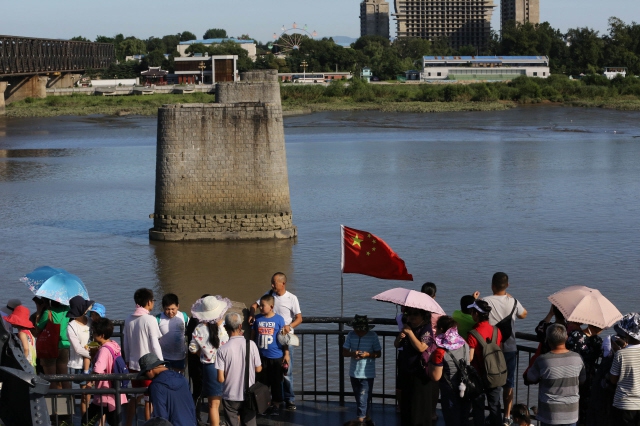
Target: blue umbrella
[55, 284]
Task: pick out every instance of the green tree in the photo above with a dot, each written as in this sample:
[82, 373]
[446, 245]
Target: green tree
[170, 43]
[215, 33]
[187, 36]
[413, 48]
[153, 59]
[79, 38]
[586, 51]
[196, 48]
[132, 46]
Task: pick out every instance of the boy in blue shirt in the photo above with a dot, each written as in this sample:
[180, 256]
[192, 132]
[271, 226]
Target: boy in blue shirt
[274, 356]
[363, 347]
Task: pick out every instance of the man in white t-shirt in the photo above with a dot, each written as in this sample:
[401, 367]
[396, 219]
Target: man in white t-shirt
[286, 305]
[503, 305]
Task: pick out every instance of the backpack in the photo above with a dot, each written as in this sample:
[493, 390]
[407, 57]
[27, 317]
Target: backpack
[504, 325]
[184, 316]
[119, 367]
[494, 362]
[466, 380]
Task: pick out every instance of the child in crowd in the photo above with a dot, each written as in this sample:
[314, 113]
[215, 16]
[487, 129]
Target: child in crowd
[172, 324]
[19, 319]
[463, 317]
[97, 311]
[208, 336]
[103, 364]
[363, 347]
[520, 415]
[274, 356]
[78, 334]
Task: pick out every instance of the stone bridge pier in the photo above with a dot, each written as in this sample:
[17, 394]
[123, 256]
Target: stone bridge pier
[19, 88]
[221, 169]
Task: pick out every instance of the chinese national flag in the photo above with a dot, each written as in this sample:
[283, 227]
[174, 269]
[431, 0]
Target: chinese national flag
[364, 253]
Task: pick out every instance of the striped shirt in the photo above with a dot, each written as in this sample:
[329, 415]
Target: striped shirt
[363, 368]
[559, 376]
[626, 365]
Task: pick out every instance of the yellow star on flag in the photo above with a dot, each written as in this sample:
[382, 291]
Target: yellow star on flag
[368, 253]
[357, 241]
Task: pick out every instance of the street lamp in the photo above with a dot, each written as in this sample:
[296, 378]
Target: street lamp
[202, 66]
[304, 65]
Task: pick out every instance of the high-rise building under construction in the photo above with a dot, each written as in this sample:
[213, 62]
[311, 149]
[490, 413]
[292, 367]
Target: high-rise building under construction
[462, 22]
[374, 18]
[520, 11]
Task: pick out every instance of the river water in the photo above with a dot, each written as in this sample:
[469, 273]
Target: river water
[549, 195]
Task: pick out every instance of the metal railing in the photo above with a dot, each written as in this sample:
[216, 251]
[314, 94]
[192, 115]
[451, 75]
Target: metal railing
[319, 369]
[324, 342]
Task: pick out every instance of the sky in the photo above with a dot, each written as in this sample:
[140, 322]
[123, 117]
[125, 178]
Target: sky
[259, 18]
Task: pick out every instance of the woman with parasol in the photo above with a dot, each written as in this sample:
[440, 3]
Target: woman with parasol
[417, 342]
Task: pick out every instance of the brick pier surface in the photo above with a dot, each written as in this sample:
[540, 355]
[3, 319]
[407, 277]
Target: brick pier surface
[221, 169]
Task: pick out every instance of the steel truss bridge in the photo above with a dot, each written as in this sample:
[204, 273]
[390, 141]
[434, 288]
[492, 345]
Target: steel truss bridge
[34, 56]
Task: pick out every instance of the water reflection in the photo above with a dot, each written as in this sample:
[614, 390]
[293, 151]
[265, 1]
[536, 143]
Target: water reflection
[239, 270]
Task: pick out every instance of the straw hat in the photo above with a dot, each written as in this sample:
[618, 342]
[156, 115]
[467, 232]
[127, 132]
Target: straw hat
[210, 308]
[20, 317]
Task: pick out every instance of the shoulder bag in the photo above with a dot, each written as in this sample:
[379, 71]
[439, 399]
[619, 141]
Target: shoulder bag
[257, 397]
[48, 340]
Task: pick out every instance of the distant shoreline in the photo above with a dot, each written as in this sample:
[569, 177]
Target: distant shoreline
[82, 105]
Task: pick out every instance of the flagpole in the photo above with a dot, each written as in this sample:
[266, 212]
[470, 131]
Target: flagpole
[341, 295]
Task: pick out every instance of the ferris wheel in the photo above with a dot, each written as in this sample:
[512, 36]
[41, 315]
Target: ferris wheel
[291, 38]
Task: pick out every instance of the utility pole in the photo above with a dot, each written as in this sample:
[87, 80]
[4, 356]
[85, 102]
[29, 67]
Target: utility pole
[202, 66]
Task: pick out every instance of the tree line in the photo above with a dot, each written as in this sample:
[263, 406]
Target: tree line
[578, 51]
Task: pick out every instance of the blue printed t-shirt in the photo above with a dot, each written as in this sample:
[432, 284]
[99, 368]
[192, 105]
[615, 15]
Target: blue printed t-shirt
[267, 330]
[363, 368]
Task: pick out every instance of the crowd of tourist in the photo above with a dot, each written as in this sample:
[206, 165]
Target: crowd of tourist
[467, 361]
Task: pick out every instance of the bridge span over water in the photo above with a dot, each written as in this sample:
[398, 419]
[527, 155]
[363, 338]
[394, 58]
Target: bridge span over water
[28, 66]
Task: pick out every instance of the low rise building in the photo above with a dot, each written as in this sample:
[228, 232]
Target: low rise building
[248, 45]
[205, 69]
[313, 77]
[484, 67]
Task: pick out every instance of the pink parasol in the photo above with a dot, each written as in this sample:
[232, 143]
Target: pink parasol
[585, 305]
[411, 299]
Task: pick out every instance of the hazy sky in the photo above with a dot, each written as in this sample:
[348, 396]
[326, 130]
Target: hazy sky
[258, 18]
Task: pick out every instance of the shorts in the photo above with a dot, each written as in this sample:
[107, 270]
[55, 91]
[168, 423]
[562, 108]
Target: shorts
[511, 360]
[176, 365]
[77, 371]
[210, 384]
[144, 383]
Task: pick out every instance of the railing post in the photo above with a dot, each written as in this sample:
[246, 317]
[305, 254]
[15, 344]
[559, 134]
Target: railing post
[118, 405]
[341, 360]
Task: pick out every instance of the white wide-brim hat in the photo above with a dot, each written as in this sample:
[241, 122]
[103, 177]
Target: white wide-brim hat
[210, 308]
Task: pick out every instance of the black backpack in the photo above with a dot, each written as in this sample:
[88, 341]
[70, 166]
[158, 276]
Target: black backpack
[466, 374]
[504, 325]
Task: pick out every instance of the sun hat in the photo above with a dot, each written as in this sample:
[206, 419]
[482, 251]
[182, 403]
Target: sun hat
[99, 309]
[210, 308]
[360, 322]
[78, 306]
[149, 362]
[11, 305]
[20, 317]
[629, 325]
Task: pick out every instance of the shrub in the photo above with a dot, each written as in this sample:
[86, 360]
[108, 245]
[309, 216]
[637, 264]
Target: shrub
[482, 93]
[429, 93]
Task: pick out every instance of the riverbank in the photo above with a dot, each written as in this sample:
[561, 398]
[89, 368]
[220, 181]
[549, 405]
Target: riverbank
[360, 96]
